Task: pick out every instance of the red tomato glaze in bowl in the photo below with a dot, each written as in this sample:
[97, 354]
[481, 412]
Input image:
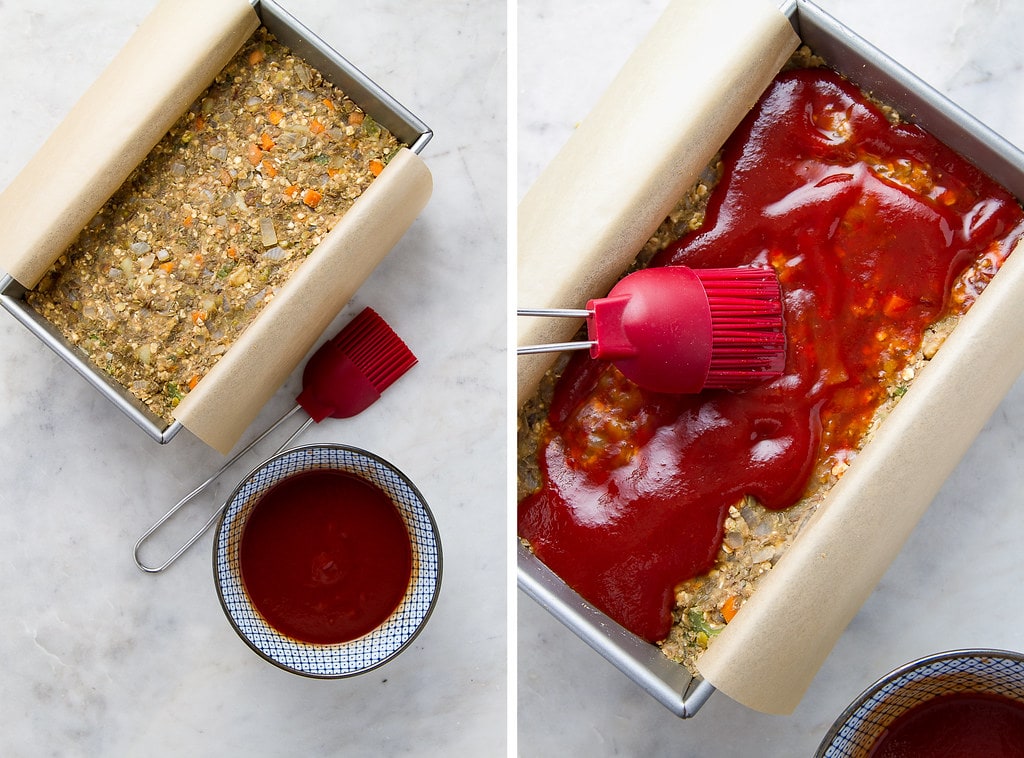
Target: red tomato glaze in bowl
[957, 725]
[325, 556]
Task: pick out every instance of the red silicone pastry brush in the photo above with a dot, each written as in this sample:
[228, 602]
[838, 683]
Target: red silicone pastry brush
[349, 372]
[344, 377]
[682, 330]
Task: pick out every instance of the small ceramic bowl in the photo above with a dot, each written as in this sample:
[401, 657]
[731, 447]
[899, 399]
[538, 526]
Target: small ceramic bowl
[994, 672]
[329, 661]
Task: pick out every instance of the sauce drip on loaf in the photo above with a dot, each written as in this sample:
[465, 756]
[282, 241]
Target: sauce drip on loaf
[876, 231]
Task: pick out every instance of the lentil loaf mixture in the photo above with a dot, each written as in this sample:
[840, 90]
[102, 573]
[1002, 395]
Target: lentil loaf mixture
[752, 537]
[215, 220]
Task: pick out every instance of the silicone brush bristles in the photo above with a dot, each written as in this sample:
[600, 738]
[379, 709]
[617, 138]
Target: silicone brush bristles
[748, 335]
[371, 344]
[679, 330]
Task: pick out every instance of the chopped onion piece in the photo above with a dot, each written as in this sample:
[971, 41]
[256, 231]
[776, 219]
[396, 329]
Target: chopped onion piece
[267, 232]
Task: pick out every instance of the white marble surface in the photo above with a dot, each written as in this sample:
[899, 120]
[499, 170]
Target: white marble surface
[956, 583]
[97, 658]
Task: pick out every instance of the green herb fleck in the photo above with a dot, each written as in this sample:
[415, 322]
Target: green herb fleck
[370, 127]
[698, 622]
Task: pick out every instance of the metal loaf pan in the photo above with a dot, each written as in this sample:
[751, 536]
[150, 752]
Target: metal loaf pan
[876, 73]
[384, 109]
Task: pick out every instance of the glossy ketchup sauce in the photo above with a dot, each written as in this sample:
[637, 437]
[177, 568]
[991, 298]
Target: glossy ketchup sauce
[325, 556]
[958, 725]
[868, 226]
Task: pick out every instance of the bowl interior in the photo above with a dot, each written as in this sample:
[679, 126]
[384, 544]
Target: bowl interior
[347, 658]
[995, 672]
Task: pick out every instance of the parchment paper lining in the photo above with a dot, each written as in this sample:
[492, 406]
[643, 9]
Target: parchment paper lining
[217, 411]
[768, 655]
[579, 228]
[170, 60]
[167, 63]
[635, 154]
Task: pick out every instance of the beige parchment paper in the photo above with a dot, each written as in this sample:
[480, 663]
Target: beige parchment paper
[230, 396]
[167, 63]
[768, 654]
[170, 60]
[596, 205]
[591, 210]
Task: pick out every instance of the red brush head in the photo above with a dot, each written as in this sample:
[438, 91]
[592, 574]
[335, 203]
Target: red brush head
[349, 372]
[681, 330]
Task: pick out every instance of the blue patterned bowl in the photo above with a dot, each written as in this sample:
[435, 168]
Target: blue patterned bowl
[347, 658]
[996, 672]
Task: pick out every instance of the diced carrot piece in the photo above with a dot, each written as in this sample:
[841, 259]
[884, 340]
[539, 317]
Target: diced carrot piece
[266, 142]
[355, 117]
[254, 154]
[328, 103]
[256, 56]
[311, 198]
[895, 305]
[193, 381]
[268, 169]
[729, 608]
[275, 117]
[316, 126]
[168, 267]
[376, 167]
[199, 123]
[198, 317]
[232, 254]
[187, 221]
[291, 190]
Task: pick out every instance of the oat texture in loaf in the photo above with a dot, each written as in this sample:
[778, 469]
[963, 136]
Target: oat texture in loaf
[215, 220]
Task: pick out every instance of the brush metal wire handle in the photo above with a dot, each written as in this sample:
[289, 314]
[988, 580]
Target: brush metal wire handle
[555, 347]
[194, 493]
[679, 330]
[344, 377]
